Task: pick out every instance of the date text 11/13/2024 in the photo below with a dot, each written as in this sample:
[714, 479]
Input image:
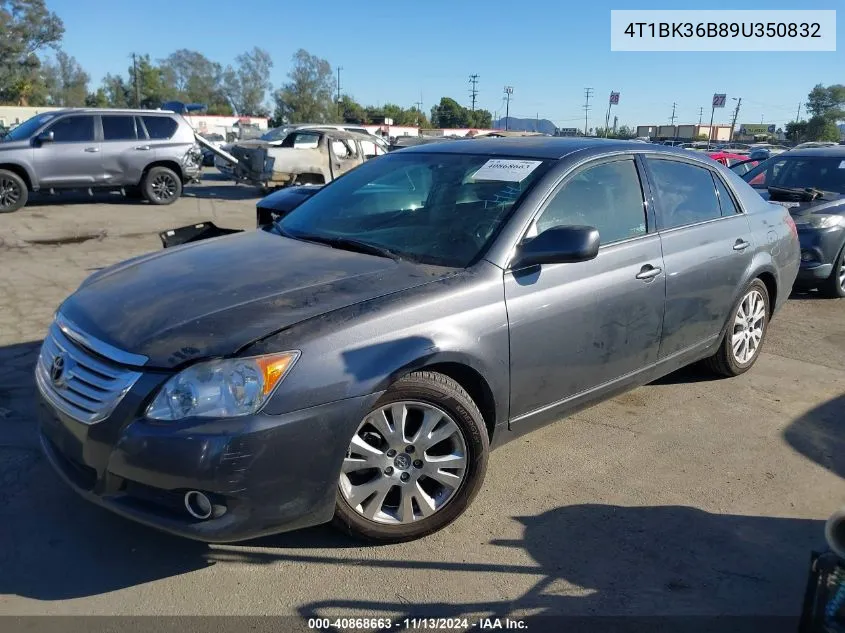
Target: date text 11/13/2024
[412, 624]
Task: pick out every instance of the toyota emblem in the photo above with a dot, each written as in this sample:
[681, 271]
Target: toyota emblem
[57, 370]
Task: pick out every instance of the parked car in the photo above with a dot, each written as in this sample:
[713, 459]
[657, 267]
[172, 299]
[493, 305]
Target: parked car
[148, 153]
[811, 184]
[762, 151]
[3, 130]
[814, 144]
[276, 136]
[728, 159]
[305, 156]
[743, 167]
[356, 360]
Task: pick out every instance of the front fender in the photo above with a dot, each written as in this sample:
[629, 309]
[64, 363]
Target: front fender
[364, 348]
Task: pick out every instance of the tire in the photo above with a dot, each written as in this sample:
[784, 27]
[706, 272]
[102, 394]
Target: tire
[725, 361]
[161, 186]
[13, 191]
[397, 510]
[834, 286]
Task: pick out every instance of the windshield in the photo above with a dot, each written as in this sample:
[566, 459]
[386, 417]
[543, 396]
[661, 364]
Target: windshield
[277, 133]
[820, 172]
[441, 209]
[28, 127]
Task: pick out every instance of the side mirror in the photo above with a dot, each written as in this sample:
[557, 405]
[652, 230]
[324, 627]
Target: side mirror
[45, 137]
[558, 245]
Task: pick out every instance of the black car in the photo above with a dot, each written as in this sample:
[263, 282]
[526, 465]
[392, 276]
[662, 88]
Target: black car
[811, 184]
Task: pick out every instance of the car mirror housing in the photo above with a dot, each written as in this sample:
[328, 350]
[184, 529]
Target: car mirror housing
[45, 137]
[558, 245]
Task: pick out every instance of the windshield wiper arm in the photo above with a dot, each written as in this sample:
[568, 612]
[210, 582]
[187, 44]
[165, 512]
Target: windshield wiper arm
[349, 244]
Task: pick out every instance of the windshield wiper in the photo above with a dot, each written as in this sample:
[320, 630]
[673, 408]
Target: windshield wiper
[346, 243]
[807, 194]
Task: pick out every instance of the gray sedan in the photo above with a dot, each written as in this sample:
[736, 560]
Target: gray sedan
[357, 359]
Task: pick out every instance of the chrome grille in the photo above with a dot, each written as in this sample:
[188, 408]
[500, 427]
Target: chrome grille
[81, 384]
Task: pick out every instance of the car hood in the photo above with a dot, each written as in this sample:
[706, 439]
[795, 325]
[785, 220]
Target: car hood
[212, 298]
[796, 208]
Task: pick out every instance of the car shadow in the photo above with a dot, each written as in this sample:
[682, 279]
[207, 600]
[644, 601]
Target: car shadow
[697, 372]
[808, 295]
[222, 191]
[39, 200]
[819, 435]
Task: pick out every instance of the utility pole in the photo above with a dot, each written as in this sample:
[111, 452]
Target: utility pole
[736, 114]
[135, 80]
[700, 114]
[473, 91]
[508, 93]
[418, 104]
[537, 124]
[798, 116]
[588, 92]
[672, 121]
[615, 122]
[339, 68]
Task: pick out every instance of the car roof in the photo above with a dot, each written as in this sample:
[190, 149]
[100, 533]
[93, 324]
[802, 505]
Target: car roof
[107, 111]
[837, 151]
[334, 133]
[538, 147]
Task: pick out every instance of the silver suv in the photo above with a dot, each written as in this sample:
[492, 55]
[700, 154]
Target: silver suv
[147, 153]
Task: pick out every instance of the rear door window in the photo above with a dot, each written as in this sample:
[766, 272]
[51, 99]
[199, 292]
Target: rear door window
[686, 193]
[726, 201]
[160, 127]
[119, 128]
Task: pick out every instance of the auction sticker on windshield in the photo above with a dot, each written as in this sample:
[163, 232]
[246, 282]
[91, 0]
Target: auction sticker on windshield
[506, 170]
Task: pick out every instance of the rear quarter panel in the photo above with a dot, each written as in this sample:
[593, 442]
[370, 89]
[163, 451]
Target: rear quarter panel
[776, 248]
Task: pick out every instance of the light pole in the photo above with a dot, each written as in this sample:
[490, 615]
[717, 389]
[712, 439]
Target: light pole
[508, 93]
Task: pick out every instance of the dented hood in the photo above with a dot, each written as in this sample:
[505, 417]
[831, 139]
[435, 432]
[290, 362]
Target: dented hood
[214, 297]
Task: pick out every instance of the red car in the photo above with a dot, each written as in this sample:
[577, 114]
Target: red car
[727, 158]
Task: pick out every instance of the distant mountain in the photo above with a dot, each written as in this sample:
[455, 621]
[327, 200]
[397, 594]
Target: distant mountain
[525, 125]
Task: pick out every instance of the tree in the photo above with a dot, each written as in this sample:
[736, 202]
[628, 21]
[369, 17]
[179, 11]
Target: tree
[822, 128]
[449, 114]
[151, 87]
[626, 132]
[26, 26]
[98, 99]
[65, 81]
[827, 101]
[191, 77]
[479, 118]
[119, 93]
[351, 111]
[307, 97]
[247, 85]
[796, 131]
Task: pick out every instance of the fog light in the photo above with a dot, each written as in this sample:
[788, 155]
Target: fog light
[807, 256]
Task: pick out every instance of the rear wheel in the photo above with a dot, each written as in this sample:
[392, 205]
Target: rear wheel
[13, 191]
[834, 286]
[162, 186]
[415, 462]
[749, 323]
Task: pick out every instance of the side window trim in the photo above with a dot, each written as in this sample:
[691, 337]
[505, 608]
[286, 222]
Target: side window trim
[142, 129]
[677, 159]
[603, 160]
[718, 180]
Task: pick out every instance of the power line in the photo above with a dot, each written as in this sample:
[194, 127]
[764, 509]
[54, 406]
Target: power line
[588, 92]
[473, 92]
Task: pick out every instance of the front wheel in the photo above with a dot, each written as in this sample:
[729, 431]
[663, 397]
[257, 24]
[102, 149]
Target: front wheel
[13, 191]
[749, 323]
[162, 186]
[415, 462]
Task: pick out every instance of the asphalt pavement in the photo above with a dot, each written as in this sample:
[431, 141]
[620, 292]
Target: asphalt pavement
[687, 496]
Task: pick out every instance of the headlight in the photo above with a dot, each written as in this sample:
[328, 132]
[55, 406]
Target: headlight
[221, 388]
[822, 221]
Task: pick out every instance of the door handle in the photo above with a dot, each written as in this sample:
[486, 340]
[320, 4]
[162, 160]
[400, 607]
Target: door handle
[741, 245]
[649, 272]
[143, 148]
[92, 149]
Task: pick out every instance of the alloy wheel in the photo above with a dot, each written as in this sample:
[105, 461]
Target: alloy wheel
[749, 326]
[842, 272]
[163, 187]
[405, 462]
[10, 193]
